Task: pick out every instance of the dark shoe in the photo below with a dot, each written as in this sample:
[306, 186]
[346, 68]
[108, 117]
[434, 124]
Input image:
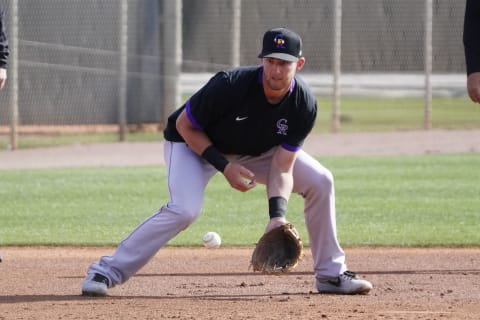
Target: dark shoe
[95, 285]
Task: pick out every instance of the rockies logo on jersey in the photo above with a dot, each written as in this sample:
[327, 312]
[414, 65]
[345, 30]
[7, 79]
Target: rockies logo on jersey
[282, 127]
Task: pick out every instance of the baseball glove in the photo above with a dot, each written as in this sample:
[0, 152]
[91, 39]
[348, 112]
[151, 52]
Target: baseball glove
[278, 250]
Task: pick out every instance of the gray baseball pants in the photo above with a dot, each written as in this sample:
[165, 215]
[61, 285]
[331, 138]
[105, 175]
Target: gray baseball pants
[188, 176]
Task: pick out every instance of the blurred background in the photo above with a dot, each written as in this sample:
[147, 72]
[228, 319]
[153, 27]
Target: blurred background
[117, 68]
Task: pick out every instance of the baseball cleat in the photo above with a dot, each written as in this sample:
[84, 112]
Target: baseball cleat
[95, 285]
[346, 283]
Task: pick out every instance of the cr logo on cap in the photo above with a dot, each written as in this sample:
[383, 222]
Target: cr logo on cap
[279, 41]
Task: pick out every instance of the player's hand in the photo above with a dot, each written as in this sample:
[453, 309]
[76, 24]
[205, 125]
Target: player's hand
[473, 86]
[3, 77]
[239, 177]
[274, 223]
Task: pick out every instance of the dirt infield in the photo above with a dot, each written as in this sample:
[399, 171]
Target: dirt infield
[199, 283]
[403, 143]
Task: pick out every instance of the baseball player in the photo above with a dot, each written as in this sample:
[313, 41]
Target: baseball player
[248, 123]
[472, 48]
[3, 50]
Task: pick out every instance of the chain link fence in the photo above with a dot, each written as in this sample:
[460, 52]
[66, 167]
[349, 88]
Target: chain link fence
[115, 63]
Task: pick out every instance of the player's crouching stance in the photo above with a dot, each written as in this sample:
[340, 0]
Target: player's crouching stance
[249, 123]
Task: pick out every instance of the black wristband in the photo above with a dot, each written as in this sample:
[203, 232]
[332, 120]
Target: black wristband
[277, 207]
[215, 158]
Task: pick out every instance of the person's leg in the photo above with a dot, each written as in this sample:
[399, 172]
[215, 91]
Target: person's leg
[315, 183]
[188, 176]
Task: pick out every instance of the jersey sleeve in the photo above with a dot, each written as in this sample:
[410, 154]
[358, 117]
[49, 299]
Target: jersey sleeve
[210, 102]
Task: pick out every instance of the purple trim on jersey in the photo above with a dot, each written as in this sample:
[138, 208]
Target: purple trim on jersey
[292, 85]
[190, 116]
[290, 148]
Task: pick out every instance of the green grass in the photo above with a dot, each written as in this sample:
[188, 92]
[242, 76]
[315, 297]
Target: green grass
[366, 114]
[358, 115]
[430, 200]
[411, 201]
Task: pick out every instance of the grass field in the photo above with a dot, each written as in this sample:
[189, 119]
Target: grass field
[364, 114]
[427, 200]
[358, 115]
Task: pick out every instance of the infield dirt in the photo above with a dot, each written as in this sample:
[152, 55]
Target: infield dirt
[200, 283]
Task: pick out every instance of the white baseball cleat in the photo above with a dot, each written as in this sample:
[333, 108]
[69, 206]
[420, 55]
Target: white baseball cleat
[346, 283]
[95, 285]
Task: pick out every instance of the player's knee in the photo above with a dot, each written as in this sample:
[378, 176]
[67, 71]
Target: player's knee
[322, 180]
[187, 217]
[318, 184]
[326, 180]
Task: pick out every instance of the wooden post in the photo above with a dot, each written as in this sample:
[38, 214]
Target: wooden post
[172, 57]
[337, 56]
[427, 121]
[122, 70]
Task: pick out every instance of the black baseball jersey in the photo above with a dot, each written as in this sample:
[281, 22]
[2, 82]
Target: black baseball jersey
[470, 36]
[3, 41]
[234, 113]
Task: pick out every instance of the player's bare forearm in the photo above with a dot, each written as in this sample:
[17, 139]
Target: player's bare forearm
[280, 177]
[196, 139]
[473, 86]
[279, 185]
[3, 77]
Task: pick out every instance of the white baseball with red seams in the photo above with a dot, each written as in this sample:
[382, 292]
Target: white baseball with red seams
[212, 240]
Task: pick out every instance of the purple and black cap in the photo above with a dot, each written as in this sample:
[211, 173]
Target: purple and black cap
[281, 43]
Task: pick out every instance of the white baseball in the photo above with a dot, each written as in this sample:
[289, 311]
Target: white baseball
[212, 240]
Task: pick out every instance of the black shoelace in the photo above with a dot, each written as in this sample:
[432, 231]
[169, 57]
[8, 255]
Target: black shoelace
[350, 274]
[99, 278]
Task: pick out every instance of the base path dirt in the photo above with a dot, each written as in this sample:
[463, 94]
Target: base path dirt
[200, 283]
[328, 144]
